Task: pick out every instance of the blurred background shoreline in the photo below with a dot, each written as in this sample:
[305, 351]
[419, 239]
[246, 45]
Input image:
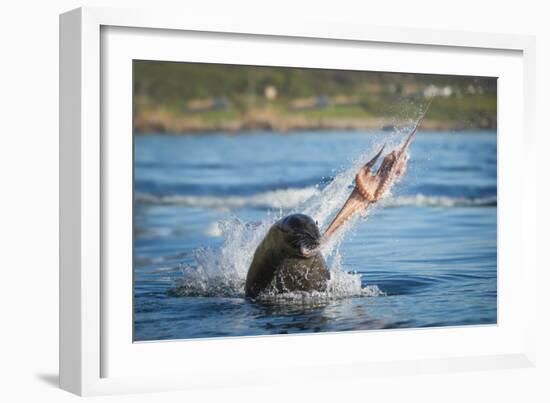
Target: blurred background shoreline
[190, 98]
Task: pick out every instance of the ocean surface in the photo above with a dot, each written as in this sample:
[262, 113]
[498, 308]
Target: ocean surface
[424, 256]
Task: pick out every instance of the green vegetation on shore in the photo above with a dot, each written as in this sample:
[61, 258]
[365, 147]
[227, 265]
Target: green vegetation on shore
[192, 97]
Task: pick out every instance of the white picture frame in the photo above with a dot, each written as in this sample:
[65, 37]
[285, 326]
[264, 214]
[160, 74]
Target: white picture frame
[96, 356]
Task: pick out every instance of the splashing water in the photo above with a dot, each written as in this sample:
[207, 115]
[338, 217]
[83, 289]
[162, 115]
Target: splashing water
[222, 272]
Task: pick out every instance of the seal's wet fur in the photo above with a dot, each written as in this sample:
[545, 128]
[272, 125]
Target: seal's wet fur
[288, 259]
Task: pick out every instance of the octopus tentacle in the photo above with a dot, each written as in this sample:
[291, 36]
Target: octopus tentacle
[369, 188]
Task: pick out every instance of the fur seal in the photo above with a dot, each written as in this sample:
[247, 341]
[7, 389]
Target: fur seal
[289, 258]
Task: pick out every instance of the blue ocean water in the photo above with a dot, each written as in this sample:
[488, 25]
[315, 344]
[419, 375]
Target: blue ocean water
[425, 256]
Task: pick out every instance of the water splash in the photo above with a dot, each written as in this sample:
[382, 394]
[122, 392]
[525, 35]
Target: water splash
[222, 272]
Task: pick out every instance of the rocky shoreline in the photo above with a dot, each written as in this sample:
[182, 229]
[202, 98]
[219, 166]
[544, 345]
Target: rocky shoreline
[160, 123]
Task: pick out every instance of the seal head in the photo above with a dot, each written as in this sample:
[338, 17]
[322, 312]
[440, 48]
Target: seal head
[288, 259]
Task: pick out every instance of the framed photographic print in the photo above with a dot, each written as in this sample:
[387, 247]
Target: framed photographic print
[244, 210]
[253, 190]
